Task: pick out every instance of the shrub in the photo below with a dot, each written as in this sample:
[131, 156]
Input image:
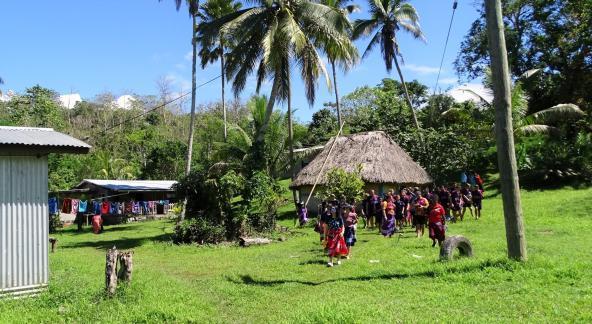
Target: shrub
[262, 196]
[343, 185]
[198, 230]
[55, 223]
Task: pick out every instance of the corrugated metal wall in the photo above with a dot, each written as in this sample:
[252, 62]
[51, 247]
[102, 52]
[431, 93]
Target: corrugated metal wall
[23, 224]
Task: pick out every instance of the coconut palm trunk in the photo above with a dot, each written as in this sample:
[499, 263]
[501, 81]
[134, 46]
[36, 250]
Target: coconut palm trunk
[222, 77]
[406, 93]
[291, 138]
[506, 157]
[337, 105]
[259, 144]
[193, 95]
[189, 155]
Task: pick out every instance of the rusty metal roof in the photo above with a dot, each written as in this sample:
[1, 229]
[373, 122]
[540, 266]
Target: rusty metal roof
[36, 140]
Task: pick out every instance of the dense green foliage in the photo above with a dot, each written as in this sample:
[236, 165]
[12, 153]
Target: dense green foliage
[554, 35]
[230, 203]
[343, 186]
[387, 280]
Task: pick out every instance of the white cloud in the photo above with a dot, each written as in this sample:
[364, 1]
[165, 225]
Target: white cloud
[180, 66]
[421, 69]
[448, 81]
[188, 56]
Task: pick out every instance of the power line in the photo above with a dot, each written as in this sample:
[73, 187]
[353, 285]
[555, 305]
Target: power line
[446, 44]
[159, 106]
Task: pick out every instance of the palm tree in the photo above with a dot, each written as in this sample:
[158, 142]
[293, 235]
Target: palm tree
[193, 6]
[211, 52]
[387, 18]
[271, 35]
[235, 152]
[346, 56]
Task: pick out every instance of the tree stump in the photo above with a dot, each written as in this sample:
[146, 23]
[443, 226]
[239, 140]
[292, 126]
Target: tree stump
[54, 243]
[124, 273]
[111, 271]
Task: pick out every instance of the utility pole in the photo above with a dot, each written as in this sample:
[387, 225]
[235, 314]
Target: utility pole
[504, 133]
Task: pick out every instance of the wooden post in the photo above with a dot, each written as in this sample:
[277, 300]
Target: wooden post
[124, 273]
[111, 271]
[504, 133]
[54, 243]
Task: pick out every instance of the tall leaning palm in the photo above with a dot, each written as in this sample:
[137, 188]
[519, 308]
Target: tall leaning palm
[193, 6]
[210, 52]
[345, 55]
[387, 18]
[268, 38]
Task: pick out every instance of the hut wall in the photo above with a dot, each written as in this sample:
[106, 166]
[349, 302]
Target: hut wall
[23, 224]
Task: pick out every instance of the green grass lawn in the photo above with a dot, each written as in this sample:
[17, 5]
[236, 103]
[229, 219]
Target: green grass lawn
[388, 280]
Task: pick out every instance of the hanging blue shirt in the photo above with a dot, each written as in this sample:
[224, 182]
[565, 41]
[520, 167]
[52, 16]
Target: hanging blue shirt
[97, 207]
[463, 177]
[82, 206]
[53, 205]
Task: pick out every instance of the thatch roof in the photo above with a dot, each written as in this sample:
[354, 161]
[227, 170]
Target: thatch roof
[382, 161]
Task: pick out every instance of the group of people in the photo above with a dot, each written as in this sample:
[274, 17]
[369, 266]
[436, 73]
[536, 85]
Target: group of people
[432, 208]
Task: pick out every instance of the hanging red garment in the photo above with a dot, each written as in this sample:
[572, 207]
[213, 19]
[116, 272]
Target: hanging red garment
[105, 207]
[67, 206]
[97, 221]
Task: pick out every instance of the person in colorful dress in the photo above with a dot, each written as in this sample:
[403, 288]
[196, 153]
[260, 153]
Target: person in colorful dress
[437, 222]
[302, 214]
[351, 221]
[324, 218]
[388, 217]
[97, 224]
[467, 199]
[400, 206]
[407, 210]
[374, 209]
[477, 194]
[420, 217]
[457, 203]
[444, 198]
[335, 243]
[478, 180]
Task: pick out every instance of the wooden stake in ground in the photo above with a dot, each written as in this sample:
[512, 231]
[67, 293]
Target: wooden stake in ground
[504, 133]
[111, 271]
[126, 266]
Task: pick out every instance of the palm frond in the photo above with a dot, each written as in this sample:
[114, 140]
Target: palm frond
[363, 27]
[559, 112]
[373, 42]
[413, 29]
[537, 129]
[530, 73]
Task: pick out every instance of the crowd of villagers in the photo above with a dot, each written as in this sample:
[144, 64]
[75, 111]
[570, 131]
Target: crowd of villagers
[409, 207]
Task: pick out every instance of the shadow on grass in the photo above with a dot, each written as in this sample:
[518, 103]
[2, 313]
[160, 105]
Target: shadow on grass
[503, 264]
[122, 243]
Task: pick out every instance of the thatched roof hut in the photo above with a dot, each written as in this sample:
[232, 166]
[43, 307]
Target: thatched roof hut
[384, 163]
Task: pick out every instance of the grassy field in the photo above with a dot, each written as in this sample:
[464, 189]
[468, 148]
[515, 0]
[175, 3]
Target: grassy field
[388, 280]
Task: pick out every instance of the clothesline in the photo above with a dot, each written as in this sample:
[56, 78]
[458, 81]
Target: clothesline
[104, 207]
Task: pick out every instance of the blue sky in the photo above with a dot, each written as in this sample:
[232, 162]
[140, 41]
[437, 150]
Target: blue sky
[90, 47]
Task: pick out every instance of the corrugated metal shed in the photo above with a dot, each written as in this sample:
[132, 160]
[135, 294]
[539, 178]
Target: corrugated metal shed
[23, 224]
[24, 214]
[30, 140]
[130, 185]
